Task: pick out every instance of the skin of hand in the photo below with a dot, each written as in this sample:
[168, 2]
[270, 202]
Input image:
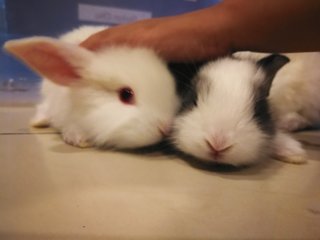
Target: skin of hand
[275, 26]
[232, 25]
[174, 38]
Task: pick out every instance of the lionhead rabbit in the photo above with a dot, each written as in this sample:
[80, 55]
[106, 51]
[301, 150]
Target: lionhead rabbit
[228, 120]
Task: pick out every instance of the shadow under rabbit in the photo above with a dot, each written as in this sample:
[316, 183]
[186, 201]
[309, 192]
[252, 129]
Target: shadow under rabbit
[259, 170]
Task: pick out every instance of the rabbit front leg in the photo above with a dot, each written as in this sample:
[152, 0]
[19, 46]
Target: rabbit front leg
[75, 137]
[288, 149]
[41, 118]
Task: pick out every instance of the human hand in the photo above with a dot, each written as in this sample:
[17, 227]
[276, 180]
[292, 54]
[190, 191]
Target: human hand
[180, 38]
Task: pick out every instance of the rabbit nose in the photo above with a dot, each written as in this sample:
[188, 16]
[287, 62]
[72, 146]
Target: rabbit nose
[218, 146]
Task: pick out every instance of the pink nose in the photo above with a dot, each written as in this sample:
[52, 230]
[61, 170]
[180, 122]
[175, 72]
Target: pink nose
[217, 148]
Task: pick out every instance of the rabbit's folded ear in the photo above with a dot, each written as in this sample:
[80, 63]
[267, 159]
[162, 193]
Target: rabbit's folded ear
[55, 60]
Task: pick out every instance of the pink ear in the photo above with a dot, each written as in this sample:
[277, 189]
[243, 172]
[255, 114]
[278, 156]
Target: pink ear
[52, 59]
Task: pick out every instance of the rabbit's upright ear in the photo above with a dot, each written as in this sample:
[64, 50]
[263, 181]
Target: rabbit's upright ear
[53, 59]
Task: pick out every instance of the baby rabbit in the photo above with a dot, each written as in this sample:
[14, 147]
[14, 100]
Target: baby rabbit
[229, 120]
[117, 97]
[294, 94]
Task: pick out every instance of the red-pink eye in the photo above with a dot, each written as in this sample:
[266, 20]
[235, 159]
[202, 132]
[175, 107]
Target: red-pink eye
[126, 95]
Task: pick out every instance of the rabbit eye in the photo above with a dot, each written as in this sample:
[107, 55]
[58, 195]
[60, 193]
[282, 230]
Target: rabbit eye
[126, 95]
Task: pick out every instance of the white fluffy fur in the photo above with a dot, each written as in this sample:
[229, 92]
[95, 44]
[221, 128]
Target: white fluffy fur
[223, 113]
[294, 95]
[223, 118]
[90, 112]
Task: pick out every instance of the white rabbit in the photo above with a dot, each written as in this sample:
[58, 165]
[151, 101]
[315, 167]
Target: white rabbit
[229, 121]
[118, 97]
[294, 95]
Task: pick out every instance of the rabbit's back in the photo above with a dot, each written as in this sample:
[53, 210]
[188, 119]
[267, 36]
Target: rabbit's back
[296, 88]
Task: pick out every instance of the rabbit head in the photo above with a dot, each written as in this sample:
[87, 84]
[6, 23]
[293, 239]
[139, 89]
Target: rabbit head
[229, 121]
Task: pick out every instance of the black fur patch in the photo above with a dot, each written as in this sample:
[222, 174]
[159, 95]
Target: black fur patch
[184, 74]
[263, 116]
[270, 65]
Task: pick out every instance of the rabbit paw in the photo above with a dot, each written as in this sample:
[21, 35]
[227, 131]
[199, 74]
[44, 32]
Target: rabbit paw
[76, 139]
[287, 149]
[41, 119]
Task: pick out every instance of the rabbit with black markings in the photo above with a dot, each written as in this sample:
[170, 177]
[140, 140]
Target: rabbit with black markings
[294, 95]
[117, 97]
[229, 121]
